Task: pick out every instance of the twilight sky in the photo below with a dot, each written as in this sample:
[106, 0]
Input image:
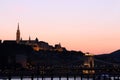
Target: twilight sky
[87, 25]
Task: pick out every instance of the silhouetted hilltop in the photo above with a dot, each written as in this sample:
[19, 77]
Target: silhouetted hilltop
[24, 55]
[113, 57]
[116, 53]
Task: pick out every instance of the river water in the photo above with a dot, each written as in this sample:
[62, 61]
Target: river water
[63, 78]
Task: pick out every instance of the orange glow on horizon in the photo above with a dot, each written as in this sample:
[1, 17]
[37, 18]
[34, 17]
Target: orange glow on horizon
[82, 25]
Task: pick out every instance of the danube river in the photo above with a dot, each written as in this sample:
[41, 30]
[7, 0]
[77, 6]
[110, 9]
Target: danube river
[63, 78]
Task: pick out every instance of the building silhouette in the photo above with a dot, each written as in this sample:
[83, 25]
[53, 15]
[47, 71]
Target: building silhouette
[35, 44]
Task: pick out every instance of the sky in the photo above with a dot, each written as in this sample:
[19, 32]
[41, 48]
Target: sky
[82, 25]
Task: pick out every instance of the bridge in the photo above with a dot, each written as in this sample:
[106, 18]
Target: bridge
[88, 70]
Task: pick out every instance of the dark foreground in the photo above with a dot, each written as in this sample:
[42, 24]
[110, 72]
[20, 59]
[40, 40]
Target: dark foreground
[74, 73]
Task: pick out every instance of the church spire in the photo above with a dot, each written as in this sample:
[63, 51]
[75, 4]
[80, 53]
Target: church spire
[29, 38]
[18, 26]
[18, 34]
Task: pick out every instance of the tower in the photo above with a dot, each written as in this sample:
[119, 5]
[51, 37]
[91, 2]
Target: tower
[18, 34]
[89, 64]
[29, 41]
[29, 38]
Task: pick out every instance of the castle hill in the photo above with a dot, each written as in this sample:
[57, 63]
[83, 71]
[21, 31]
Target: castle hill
[37, 58]
[59, 40]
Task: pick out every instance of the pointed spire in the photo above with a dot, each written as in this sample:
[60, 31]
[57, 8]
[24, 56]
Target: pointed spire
[29, 38]
[59, 43]
[36, 39]
[18, 34]
[18, 25]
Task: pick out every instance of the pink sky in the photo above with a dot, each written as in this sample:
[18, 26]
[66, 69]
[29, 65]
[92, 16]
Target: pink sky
[83, 25]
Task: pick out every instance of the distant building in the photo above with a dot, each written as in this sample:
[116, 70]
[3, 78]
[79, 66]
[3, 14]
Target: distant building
[35, 44]
[58, 47]
[89, 63]
[43, 45]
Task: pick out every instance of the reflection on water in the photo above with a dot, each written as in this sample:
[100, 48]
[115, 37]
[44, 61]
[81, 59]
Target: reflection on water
[62, 78]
